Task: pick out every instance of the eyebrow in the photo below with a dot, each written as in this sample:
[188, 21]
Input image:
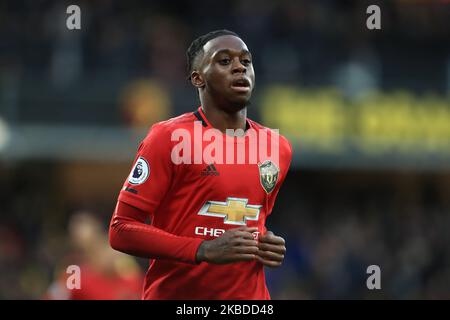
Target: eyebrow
[244, 51]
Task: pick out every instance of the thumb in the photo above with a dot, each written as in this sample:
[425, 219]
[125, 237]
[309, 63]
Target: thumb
[269, 233]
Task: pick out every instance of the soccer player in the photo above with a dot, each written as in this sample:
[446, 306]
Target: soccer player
[207, 238]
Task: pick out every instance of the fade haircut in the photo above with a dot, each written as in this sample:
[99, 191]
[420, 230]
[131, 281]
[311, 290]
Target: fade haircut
[196, 46]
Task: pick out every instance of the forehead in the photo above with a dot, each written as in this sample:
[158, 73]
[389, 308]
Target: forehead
[227, 42]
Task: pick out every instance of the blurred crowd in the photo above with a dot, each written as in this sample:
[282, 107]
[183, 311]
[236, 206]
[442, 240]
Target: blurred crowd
[309, 43]
[42, 235]
[127, 66]
[340, 223]
[336, 224]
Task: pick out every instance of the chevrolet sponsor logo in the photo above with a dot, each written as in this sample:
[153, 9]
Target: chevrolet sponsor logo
[234, 211]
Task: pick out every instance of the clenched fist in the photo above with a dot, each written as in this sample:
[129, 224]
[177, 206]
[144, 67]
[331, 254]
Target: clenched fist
[271, 250]
[234, 245]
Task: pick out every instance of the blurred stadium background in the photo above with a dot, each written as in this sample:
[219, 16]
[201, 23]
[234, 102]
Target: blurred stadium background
[368, 114]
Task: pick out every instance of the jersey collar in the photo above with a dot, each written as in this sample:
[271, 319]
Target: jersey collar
[201, 117]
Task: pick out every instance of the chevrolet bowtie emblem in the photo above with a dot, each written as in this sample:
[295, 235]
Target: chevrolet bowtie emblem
[234, 210]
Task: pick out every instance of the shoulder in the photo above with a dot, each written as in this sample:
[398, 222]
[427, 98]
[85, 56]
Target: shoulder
[163, 130]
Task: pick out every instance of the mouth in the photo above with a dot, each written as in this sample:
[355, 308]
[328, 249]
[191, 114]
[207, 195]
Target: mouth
[241, 85]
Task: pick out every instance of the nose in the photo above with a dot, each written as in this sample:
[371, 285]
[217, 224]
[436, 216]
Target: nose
[238, 67]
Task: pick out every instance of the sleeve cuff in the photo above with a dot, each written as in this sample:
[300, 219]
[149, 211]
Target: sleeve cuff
[194, 248]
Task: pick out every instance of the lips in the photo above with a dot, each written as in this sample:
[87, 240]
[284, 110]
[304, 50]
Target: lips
[241, 85]
[240, 82]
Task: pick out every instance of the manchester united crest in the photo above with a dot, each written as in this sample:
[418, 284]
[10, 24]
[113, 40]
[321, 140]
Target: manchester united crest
[268, 175]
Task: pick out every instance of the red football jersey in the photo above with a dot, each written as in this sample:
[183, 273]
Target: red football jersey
[197, 200]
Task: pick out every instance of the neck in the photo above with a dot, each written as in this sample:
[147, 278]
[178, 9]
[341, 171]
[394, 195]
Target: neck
[223, 118]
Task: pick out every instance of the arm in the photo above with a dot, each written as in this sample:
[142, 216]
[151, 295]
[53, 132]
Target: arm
[142, 192]
[141, 195]
[130, 234]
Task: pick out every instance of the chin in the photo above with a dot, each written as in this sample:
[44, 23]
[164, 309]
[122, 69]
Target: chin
[236, 106]
[240, 103]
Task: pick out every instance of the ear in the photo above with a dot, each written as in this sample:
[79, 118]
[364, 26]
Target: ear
[197, 79]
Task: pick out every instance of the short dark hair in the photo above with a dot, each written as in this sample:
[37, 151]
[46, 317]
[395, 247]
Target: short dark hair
[197, 46]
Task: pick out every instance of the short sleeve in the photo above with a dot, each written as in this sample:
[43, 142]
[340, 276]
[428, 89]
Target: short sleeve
[151, 174]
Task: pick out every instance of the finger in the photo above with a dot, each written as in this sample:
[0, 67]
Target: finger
[271, 247]
[267, 255]
[250, 230]
[249, 250]
[268, 263]
[243, 257]
[272, 239]
[268, 235]
[244, 234]
[246, 242]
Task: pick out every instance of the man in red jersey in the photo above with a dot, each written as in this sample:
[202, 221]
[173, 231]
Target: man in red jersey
[208, 186]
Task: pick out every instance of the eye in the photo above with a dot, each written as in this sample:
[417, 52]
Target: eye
[246, 61]
[224, 61]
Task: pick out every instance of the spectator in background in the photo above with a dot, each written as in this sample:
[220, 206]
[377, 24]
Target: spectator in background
[105, 273]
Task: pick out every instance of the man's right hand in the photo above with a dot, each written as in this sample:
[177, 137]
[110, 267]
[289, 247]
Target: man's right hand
[234, 245]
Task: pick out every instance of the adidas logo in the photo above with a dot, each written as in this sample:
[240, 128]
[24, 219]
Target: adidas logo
[210, 170]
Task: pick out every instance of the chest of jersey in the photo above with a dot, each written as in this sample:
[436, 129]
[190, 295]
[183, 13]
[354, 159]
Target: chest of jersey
[219, 181]
[227, 195]
[224, 192]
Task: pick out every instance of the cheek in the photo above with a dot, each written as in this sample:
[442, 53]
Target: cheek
[251, 74]
[216, 78]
